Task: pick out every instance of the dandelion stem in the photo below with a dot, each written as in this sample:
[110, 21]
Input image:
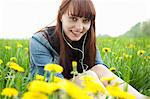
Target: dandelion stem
[51, 76]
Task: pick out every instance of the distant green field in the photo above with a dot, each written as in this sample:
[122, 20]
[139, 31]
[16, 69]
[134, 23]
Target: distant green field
[130, 57]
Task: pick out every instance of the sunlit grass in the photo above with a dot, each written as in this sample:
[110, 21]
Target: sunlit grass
[129, 57]
[132, 67]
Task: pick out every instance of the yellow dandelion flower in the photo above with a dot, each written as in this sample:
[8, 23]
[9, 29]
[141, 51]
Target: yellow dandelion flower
[57, 79]
[147, 57]
[93, 87]
[1, 61]
[26, 49]
[53, 67]
[19, 45]
[7, 47]
[106, 50]
[13, 59]
[130, 46]
[74, 64]
[87, 78]
[34, 95]
[126, 56]
[141, 52]
[113, 69]
[10, 92]
[109, 79]
[117, 92]
[42, 86]
[15, 66]
[39, 77]
[75, 91]
[90, 84]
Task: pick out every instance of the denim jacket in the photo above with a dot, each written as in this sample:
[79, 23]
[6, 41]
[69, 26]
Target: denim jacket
[42, 53]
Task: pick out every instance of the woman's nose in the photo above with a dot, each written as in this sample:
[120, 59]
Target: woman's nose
[79, 26]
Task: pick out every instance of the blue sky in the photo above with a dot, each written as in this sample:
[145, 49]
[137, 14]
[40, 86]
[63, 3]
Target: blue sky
[21, 18]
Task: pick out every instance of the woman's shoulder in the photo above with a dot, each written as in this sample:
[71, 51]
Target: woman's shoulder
[50, 30]
[43, 35]
[43, 32]
[45, 38]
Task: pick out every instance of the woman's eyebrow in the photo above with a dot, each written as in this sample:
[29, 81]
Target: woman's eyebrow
[72, 15]
[85, 18]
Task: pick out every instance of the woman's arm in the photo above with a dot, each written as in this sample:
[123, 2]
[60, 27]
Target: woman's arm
[40, 55]
[103, 71]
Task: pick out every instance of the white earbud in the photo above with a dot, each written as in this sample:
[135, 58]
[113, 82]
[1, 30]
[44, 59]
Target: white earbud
[82, 51]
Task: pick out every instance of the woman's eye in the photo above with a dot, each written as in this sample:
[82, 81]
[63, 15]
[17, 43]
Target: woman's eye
[86, 20]
[73, 18]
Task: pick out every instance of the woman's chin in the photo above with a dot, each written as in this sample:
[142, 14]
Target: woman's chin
[75, 39]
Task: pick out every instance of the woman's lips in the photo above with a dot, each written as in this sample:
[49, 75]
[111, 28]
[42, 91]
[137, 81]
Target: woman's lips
[75, 33]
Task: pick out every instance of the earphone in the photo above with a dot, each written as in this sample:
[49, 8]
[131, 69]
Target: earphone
[82, 51]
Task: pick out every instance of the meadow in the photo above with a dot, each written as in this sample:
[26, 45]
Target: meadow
[129, 57]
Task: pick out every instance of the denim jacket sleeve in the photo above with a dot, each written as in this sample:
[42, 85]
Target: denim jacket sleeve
[40, 55]
[99, 59]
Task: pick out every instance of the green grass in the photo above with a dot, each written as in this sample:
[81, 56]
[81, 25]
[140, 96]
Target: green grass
[22, 56]
[134, 70]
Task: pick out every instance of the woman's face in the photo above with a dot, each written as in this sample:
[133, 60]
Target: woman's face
[74, 27]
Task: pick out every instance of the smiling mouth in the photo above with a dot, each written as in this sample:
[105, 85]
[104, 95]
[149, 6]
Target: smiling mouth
[75, 33]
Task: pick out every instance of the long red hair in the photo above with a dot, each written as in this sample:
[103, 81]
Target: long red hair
[81, 8]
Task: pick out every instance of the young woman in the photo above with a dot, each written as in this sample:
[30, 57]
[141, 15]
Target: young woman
[72, 39]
